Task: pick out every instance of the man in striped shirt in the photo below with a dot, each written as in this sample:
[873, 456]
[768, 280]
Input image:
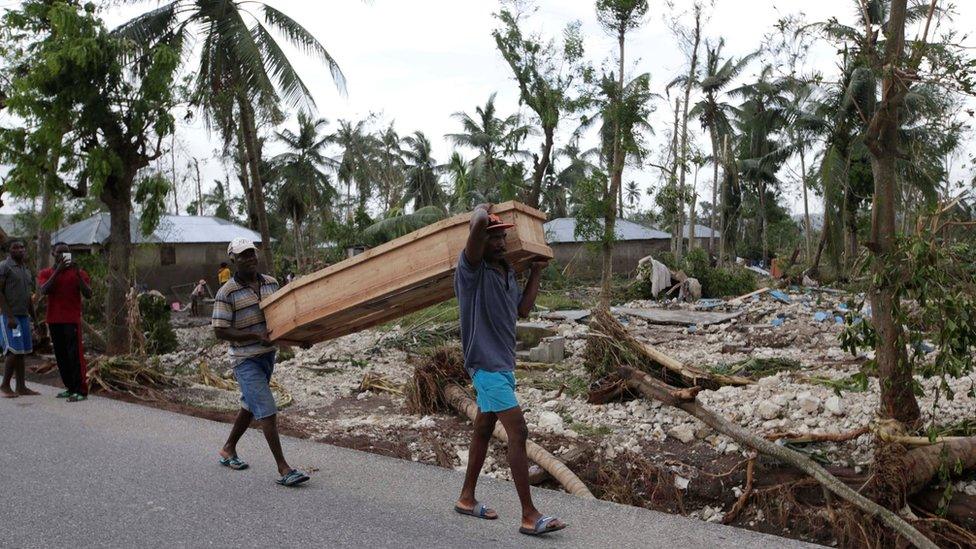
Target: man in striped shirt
[238, 319]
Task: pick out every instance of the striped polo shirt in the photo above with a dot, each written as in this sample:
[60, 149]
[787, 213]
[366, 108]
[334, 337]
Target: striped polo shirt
[237, 306]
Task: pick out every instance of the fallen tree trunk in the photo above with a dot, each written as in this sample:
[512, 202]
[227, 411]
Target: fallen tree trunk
[922, 464]
[657, 390]
[610, 344]
[459, 400]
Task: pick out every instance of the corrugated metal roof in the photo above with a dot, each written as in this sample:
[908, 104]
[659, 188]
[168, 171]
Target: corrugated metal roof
[172, 229]
[702, 231]
[563, 229]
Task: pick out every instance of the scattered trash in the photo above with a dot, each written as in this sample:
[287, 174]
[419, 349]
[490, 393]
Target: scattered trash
[820, 316]
[780, 296]
[708, 303]
[777, 322]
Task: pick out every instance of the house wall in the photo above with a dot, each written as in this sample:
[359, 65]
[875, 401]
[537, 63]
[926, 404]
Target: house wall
[192, 262]
[581, 261]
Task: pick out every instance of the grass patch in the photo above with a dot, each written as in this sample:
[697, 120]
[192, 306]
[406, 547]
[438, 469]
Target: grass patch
[555, 301]
[441, 313]
[573, 386]
[587, 430]
[855, 383]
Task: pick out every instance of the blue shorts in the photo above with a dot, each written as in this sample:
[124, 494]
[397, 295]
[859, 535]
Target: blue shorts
[496, 390]
[21, 342]
[253, 374]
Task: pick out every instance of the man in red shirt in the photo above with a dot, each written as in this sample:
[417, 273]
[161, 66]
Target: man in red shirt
[64, 284]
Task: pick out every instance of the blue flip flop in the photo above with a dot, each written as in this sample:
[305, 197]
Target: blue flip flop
[542, 526]
[235, 463]
[292, 478]
[480, 510]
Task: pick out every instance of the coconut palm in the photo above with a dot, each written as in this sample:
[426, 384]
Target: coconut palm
[242, 73]
[389, 167]
[422, 186]
[460, 173]
[716, 115]
[302, 186]
[494, 138]
[357, 164]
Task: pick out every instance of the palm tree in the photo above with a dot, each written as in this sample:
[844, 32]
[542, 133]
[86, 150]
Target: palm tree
[632, 194]
[390, 167]
[241, 73]
[563, 195]
[303, 185]
[460, 173]
[357, 163]
[714, 114]
[762, 116]
[423, 187]
[494, 138]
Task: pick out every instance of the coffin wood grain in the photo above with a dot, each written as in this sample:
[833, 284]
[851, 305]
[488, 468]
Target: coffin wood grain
[397, 278]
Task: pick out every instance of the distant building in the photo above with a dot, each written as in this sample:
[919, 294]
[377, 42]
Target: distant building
[182, 250]
[579, 258]
[701, 237]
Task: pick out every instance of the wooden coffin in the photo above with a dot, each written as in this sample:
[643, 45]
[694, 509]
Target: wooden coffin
[397, 278]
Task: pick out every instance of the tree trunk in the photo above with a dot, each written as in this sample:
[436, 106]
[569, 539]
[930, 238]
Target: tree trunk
[252, 214]
[117, 195]
[257, 186]
[894, 371]
[176, 187]
[762, 224]
[43, 233]
[726, 183]
[541, 167]
[692, 214]
[715, 160]
[616, 175]
[672, 178]
[806, 205]
[682, 165]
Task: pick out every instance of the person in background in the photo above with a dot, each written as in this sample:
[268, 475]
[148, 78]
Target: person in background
[490, 301]
[64, 285]
[238, 319]
[223, 274]
[197, 296]
[17, 308]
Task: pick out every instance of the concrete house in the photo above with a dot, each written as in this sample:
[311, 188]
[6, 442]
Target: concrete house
[182, 250]
[579, 258]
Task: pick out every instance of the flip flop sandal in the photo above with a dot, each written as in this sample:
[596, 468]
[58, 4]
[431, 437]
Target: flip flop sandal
[77, 397]
[541, 527]
[235, 463]
[63, 394]
[480, 510]
[292, 478]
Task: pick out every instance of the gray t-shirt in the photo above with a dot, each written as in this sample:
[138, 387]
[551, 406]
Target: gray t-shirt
[489, 309]
[18, 286]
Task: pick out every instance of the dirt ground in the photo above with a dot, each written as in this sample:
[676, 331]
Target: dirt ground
[635, 452]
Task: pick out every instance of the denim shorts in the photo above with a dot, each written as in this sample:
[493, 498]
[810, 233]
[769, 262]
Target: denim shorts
[496, 390]
[253, 374]
[17, 341]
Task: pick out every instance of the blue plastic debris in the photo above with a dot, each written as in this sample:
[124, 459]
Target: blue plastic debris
[777, 322]
[780, 296]
[842, 306]
[819, 316]
[840, 320]
[692, 328]
[709, 303]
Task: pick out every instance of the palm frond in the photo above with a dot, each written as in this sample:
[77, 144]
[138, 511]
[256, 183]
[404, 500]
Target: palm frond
[300, 37]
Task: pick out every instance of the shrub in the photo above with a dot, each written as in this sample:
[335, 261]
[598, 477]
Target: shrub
[155, 314]
[715, 282]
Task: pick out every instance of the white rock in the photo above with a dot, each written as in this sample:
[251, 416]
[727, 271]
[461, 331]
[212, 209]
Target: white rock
[835, 406]
[684, 432]
[550, 421]
[681, 483]
[363, 395]
[769, 410]
[425, 422]
[809, 403]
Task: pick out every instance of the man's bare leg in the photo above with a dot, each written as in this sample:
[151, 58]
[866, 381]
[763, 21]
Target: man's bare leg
[518, 462]
[270, 427]
[241, 423]
[8, 374]
[20, 375]
[484, 425]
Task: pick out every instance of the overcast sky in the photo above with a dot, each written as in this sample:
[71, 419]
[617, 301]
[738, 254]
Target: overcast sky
[417, 62]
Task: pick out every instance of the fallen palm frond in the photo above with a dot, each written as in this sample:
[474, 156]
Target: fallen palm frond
[379, 383]
[609, 346]
[206, 377]
[756, 368]
[135, 376]
[436, 386]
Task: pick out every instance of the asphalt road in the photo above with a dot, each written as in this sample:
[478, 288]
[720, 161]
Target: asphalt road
[110, 474]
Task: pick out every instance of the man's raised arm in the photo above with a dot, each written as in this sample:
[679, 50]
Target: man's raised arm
[474, 250]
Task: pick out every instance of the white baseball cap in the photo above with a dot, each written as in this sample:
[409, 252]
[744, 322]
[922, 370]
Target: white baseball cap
[239, 246]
